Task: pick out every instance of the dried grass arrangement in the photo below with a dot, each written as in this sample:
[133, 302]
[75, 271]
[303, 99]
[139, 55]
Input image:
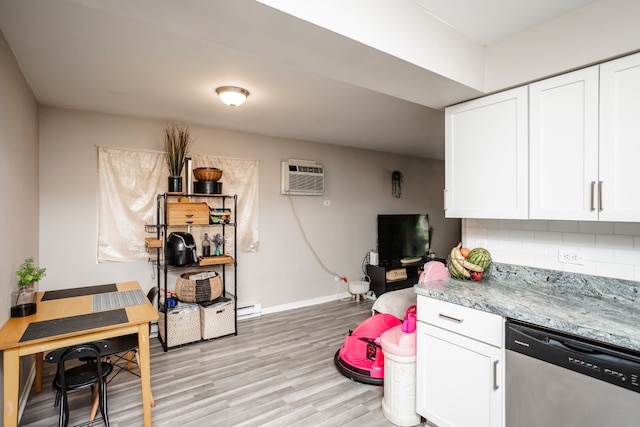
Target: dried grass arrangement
[177, 142]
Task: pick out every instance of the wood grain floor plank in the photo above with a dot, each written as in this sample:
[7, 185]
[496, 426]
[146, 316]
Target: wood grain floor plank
[277, 372]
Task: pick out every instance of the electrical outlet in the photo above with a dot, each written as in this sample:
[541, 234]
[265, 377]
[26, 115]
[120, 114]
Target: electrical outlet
[327, 202]
[571, 256]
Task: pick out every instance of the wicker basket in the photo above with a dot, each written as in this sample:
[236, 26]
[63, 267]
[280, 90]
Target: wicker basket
[207, 174]
[202, 290]
[218, 318]
[183, 323]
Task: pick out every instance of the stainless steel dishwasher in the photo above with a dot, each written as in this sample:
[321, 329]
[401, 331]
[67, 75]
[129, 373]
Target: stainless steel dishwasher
[556, 380]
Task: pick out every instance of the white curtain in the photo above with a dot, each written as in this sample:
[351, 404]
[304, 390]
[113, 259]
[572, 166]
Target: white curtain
[239, 177]
[129, 182]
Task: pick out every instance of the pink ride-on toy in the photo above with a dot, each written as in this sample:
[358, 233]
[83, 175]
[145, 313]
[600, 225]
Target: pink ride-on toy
[360, 357]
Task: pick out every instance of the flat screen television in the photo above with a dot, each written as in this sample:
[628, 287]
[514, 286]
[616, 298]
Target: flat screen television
[402, 236]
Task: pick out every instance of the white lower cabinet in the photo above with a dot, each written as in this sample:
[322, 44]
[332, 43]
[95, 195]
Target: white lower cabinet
[460, 365]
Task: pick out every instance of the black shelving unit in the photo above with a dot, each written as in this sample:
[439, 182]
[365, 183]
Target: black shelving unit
[223, 264]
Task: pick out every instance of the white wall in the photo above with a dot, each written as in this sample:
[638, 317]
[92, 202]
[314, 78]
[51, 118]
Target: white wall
[599, 31]
[283, 271]
[400, 28]
[18, 180]
[609, 249]
[594, 33]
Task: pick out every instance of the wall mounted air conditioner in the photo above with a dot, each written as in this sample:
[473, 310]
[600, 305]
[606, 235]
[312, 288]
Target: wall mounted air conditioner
[302, 178]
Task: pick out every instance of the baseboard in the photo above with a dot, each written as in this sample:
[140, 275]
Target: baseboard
[306, 303]
[153, 330]
[250, 310]
[24, 396]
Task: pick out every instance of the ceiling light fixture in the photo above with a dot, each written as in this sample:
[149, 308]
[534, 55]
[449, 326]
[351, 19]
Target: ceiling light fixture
[232, 95]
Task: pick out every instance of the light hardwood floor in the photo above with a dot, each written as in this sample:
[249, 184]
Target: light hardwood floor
[278, 371]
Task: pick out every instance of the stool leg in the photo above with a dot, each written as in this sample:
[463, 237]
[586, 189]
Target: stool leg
[96, 401]
[130, 355]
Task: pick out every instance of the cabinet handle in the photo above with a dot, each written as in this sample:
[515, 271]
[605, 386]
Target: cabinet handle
[188, 222]
[495, 375]
[593, 201]
[600, 195]
[189, 215]
[454, 319]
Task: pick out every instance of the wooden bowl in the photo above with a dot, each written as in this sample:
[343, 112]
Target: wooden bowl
[207, 174]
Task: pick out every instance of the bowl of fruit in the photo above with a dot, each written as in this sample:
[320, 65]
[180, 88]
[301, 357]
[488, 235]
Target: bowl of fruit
[469, 264]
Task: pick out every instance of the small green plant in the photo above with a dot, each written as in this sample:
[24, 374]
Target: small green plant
[29, 273]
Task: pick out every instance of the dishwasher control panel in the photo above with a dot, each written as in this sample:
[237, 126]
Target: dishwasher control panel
[596, 360]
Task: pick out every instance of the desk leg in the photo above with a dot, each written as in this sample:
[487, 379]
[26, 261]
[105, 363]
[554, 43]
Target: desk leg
[145, 371]
[11, 387]
[38, 380]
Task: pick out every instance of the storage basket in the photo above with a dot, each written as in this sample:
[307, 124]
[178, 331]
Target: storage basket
[217, 318]
[183, 323]
[207, 174]
[197, 287]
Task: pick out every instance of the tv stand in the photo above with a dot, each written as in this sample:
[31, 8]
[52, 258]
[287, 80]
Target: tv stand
[393, 276]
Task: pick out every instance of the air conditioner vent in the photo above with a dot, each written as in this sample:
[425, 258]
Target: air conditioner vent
[302, 178]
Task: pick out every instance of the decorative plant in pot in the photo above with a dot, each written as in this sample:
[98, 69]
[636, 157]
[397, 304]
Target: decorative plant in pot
[23, 301]
[177, 141]
[218, 240]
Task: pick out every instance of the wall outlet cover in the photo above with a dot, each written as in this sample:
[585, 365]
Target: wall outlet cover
[571, 256]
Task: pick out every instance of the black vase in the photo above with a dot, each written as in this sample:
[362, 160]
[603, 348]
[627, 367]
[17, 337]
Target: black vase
[175, 184]
[23, 302]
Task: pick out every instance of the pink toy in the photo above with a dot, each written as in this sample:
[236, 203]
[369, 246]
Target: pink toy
[434, 270]
[360, 357]
[410, 318]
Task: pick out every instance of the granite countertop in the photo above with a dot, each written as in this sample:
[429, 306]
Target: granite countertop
[598, 308]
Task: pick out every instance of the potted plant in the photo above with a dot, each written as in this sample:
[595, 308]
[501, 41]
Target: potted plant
[23, 301]
[177, 142]
[218, 240]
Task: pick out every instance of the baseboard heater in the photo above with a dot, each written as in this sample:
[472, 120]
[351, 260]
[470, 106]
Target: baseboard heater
[251, 310]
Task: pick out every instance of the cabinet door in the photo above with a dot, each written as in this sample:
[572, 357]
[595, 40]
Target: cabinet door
[563, 146]
[620, 139]
[459, 380]
[486, 160]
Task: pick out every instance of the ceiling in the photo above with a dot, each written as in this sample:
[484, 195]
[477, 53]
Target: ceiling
[163, 59]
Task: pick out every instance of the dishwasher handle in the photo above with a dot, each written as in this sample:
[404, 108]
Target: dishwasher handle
[528, 340]
[594, 353]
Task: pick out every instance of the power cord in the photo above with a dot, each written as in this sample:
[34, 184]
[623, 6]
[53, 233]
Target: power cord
[345, 299]
[313, 251]
[365, 262]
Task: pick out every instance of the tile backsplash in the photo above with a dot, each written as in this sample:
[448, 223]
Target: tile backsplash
[607, 249]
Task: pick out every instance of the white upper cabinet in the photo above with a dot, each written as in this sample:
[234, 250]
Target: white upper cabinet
[486, 160]
[620, 139]
[563, 146]
[566, 150]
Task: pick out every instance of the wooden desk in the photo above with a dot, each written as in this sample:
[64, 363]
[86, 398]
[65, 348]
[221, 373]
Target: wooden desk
[56, 325]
